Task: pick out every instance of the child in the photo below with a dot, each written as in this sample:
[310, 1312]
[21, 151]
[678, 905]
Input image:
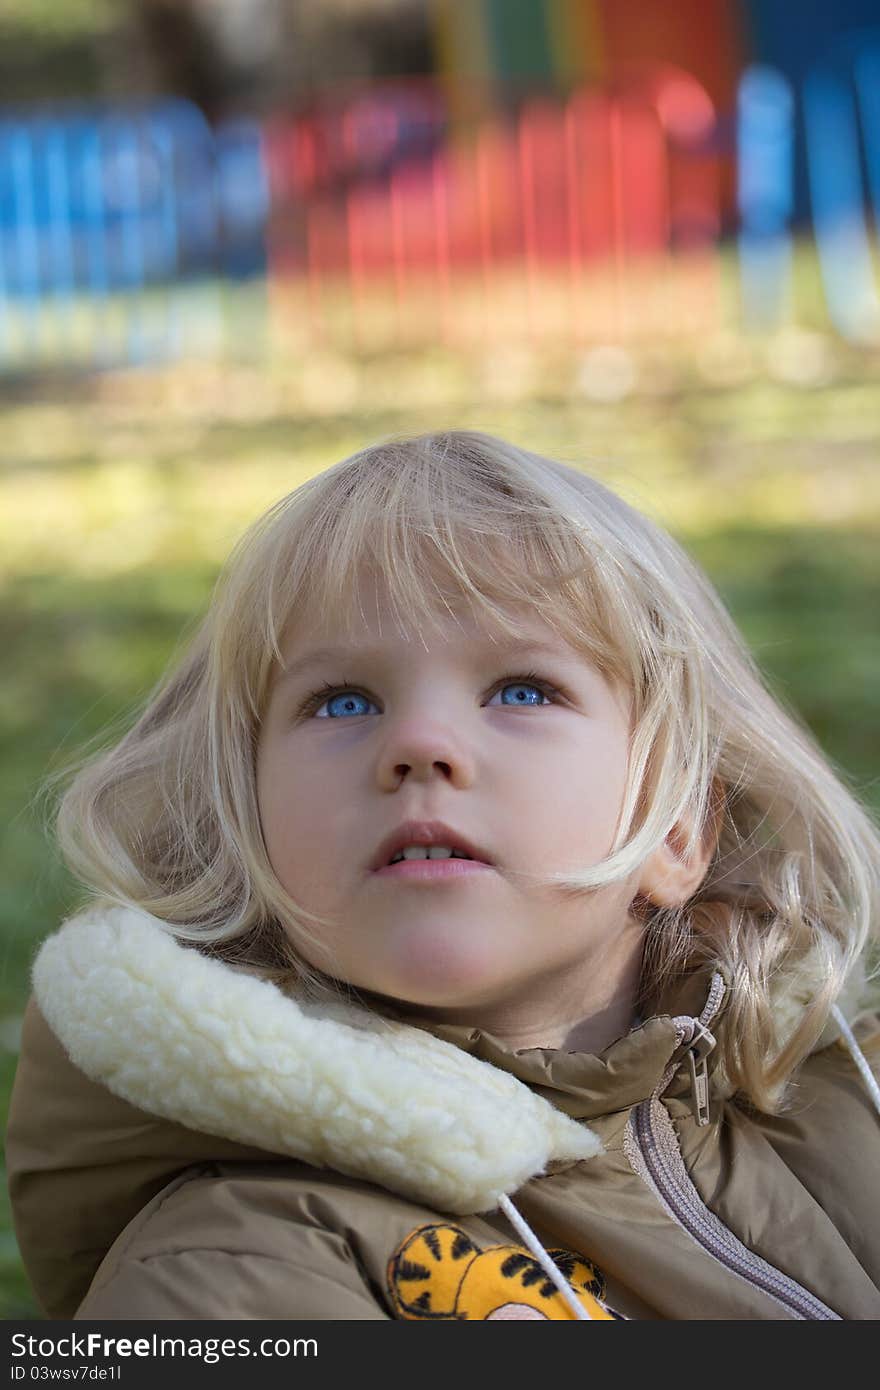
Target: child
[470, 936]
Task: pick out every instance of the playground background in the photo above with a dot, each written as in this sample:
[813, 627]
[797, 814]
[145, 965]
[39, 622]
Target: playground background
[650, 250]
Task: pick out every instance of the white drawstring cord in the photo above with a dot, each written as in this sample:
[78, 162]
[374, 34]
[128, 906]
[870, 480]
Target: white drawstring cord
[550, 1269]
[858, 1057]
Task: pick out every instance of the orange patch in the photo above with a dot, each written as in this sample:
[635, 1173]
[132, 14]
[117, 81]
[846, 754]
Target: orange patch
[438, 1273]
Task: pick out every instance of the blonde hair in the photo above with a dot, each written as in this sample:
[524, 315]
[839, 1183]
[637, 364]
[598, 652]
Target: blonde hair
[168, 818]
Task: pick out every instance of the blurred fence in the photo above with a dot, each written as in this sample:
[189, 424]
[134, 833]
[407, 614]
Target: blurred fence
[108, 218]
[572, 207]
[378, 221]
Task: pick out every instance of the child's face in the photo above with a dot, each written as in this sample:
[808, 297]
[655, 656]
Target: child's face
[454, 733]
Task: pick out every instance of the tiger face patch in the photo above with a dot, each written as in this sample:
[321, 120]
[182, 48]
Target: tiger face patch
[439, 1273]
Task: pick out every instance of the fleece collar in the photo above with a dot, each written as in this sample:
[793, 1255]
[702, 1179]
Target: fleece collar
[186, 1037]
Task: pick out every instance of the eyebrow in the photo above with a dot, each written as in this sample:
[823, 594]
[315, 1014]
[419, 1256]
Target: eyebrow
[519, 646]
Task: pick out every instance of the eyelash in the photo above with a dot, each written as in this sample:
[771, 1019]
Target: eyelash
[316, 698]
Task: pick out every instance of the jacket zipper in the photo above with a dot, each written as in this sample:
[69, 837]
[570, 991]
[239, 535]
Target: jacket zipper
[657, 1159]
[699, 1073]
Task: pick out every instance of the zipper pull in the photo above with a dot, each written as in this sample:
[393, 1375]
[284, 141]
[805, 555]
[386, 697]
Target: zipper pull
[699, 1072]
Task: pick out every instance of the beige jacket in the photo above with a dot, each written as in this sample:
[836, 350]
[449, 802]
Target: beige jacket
[185, 1141]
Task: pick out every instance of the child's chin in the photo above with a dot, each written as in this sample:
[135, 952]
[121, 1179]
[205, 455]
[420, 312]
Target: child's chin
[444, 970]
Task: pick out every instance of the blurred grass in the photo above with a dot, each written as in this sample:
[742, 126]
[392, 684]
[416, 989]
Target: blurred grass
[122, 495]
[53, 49]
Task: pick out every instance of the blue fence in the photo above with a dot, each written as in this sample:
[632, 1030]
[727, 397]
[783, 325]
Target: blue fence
[108, 217]
[837, 122]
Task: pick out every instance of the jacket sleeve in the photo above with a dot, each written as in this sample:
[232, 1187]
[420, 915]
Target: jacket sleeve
[231, 1247]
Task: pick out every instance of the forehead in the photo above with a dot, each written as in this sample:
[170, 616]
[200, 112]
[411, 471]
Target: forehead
[372, 619]
[370, 631]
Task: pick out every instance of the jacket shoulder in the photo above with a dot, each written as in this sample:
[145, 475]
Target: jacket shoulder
[238, 1241]
[81, 1163]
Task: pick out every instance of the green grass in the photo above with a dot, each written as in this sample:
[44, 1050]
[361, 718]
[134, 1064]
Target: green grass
[121, 497]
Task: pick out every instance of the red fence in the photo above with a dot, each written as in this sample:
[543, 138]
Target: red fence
[602, 195]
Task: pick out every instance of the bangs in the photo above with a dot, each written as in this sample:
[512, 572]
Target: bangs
[444, 531]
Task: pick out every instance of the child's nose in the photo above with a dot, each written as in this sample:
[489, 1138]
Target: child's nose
[423, 750]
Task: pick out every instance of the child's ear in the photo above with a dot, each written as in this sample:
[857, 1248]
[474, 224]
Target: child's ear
[667, 877]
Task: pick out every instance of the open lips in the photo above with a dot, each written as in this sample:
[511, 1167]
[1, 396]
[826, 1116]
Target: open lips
[431, 835]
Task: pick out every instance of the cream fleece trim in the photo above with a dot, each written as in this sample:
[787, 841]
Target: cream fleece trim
[189, 1039]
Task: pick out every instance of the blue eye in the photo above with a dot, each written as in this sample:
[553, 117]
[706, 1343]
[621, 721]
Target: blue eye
[344, 700]
[519, 686]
